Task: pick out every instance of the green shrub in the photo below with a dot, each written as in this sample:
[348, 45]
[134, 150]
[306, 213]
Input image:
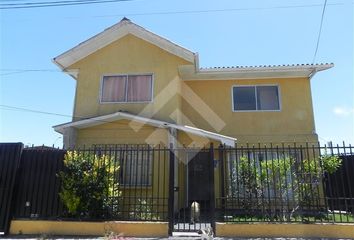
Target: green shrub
[331, 163]
[89, 186]
[142, 210]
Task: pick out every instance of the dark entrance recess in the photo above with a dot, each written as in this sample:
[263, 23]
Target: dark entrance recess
[199, 187]
[199, 179]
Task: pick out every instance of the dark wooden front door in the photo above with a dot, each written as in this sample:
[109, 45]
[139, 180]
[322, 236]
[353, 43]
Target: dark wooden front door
[199, 178]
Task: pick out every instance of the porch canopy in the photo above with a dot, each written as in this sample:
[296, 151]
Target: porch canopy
[91, 122]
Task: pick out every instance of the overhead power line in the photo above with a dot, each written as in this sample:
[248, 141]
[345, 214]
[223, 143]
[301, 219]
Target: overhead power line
[79, 2]
[55, 3]
[21, 109]
[320, 31]
[28, 69]
[8, 107]
[14, 108]
[45, 2]
[219, 10]
[24, 2]
[18, 71]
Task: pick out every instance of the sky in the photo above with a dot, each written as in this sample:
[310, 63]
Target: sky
[224, 33]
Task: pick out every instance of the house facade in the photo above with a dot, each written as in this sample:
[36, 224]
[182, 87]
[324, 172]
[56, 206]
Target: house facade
[135, 87]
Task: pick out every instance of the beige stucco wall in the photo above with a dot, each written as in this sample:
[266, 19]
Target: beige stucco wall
[294, 122]
[117, 228]
[132, 55]
[128, 55]
[121, 132]
[261, 230]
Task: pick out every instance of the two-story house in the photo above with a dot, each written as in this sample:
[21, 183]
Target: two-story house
[135, 87]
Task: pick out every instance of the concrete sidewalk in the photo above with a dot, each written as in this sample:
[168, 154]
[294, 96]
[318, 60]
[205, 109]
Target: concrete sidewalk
[180, 237]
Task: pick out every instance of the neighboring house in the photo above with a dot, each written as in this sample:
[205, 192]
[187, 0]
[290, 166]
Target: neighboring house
[135, 87]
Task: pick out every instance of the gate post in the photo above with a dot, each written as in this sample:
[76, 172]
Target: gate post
[171, 192]
[212, 187]
[222, 176]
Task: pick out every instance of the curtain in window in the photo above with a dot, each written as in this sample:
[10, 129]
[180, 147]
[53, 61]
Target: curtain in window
[113, 89]
[137, 168]
[267, 98]
[139, 88]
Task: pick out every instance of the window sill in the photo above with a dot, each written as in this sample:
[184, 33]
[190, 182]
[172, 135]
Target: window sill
[237, 111]
[135, 187]
[143, 102]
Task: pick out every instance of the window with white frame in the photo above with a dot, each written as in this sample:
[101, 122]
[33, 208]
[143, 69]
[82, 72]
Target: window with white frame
[126, 88]
[255, 98]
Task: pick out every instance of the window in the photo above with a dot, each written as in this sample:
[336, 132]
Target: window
[255, 98]
[135, 162]
[267, 162]
[137, 167]
[127, 88]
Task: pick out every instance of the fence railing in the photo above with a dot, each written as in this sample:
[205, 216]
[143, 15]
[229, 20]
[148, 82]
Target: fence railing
[10, 154]
[297, 183]
[101, 183]
[252, 183]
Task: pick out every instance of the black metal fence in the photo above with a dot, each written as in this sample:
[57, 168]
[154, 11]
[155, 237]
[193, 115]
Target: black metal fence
[101, 183]
[10, 154]
[37, 185]
[297, 183]
[249, 183]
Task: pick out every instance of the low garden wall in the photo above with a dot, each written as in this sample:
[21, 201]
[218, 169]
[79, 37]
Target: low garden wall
[323, 230]
[121, 228]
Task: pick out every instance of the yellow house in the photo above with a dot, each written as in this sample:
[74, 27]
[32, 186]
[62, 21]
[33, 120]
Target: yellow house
[135, 87]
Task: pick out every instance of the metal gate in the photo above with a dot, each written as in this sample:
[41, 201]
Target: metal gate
[38, 187]
[339, 186]
[195, 184]
[10, 155]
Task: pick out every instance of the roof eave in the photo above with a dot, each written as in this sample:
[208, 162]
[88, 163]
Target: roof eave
[187, 72]
[114, 33]
[230, 141]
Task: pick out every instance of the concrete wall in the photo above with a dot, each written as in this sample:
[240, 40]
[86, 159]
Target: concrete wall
[160, 229]
[285, 230]
[130, 229]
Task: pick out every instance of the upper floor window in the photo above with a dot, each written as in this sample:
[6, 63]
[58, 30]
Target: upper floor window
[255, 98]
[127, 88]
